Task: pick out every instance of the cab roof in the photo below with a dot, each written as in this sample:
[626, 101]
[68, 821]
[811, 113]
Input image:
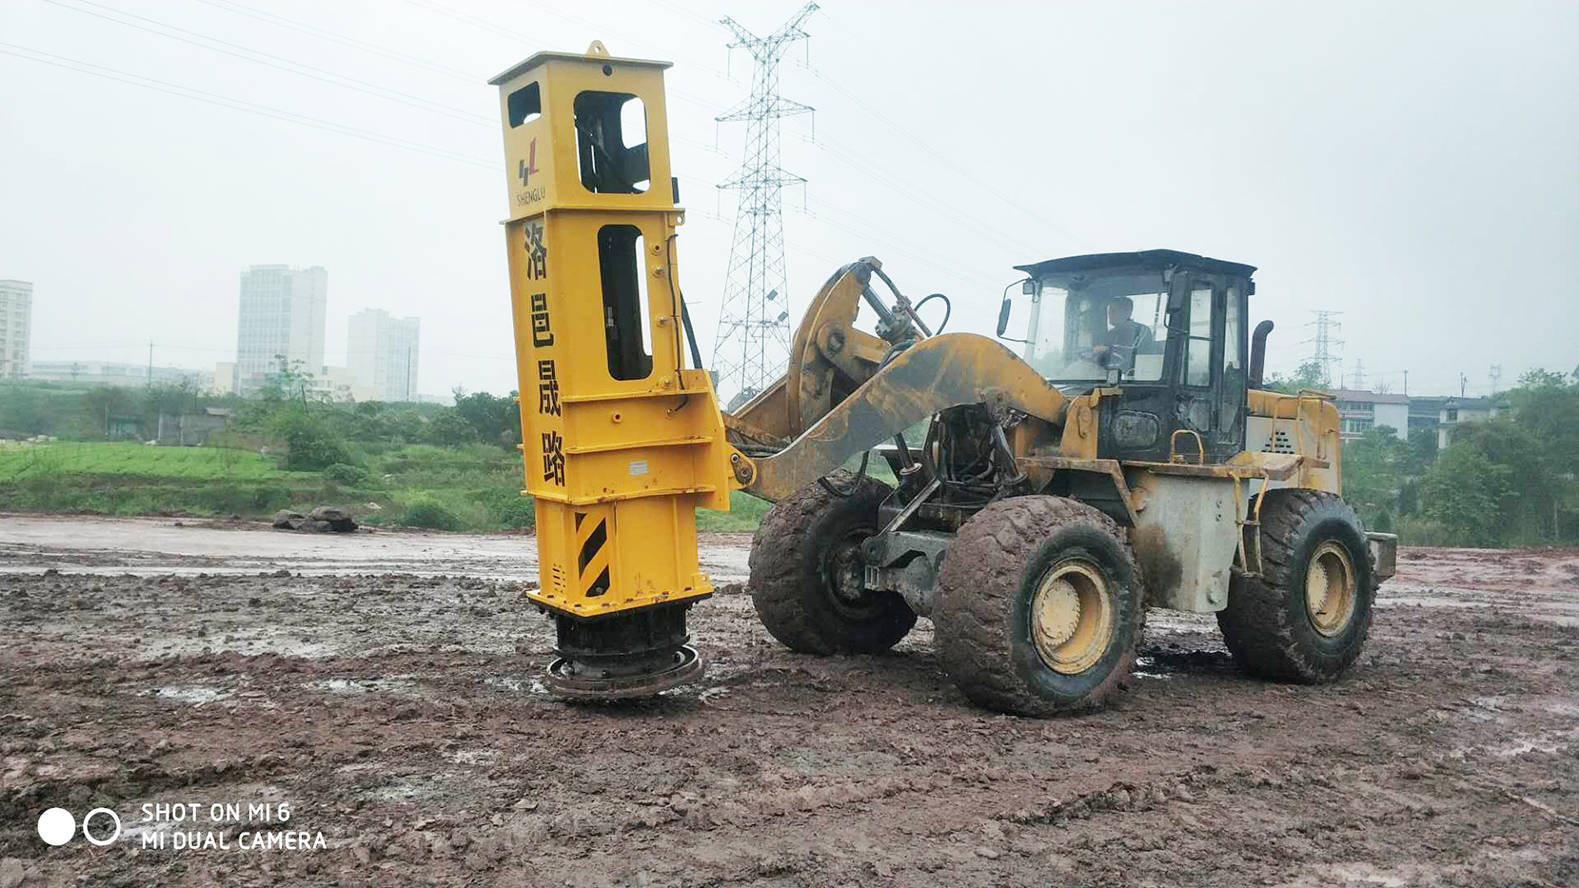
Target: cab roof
[1158, 259]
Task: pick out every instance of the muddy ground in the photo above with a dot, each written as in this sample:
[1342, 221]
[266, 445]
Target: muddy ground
[384, 687]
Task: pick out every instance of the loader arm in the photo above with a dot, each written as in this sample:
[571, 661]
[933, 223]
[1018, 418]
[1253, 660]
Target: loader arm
[829, 359]
[931, 376]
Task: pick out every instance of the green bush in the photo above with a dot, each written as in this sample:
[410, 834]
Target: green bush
[428, 512]
[449, 429]
[313, 444]
[424, 465]
[346, 475]
[496, 420]
[1466, 494]
[508, 508]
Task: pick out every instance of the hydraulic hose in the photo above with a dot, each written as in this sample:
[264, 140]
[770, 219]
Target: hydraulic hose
[948, 308]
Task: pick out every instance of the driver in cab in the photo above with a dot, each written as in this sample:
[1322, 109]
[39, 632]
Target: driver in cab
[1117, 347]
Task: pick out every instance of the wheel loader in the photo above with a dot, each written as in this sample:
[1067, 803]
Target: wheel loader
[1113, 450]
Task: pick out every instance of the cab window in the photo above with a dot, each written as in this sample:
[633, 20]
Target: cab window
[1197, 365]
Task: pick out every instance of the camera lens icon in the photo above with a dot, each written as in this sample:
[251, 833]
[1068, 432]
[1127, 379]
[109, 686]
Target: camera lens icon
[56, 827]
[113, 834]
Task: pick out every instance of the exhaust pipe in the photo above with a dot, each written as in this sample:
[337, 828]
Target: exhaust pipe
[1258, 352]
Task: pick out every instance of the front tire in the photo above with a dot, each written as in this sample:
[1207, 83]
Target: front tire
[1305, 619]
[808, 577]
[1039, 607]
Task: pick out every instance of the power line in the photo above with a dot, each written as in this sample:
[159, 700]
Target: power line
[272, 60]
[327, 76]
[336, 37]
[959, 169]
[558, 10]
[289, 66]
[681, 10]
[852, 227]
[995, 229]
[494, 27]
[840, 32]
[187, 92]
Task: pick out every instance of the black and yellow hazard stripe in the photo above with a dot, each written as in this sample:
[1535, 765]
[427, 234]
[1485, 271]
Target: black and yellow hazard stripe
[592, 560]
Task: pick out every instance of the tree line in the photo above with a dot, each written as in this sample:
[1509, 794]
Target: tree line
[315, 432]
[1511, 480]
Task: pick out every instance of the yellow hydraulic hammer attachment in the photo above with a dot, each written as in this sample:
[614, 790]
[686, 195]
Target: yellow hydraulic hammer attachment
[621, 443]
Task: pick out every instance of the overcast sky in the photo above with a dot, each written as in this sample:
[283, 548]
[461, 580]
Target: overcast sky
[1414, 166]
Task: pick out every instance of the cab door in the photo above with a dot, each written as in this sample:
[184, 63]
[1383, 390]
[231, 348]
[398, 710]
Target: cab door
[1210, 401]
[1232, 363]
[1196, 411]
[1196, 399]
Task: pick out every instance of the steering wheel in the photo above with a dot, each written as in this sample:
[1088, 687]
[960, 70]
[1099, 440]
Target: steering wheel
[1108, 359]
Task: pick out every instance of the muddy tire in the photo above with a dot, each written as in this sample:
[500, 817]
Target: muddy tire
[1006, 632]
[1306, 617]
[807, 574]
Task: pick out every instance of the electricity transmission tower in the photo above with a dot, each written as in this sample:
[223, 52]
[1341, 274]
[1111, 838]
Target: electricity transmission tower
[751, 347]
[1496, 377]
[1325, 348]
[1359, 374]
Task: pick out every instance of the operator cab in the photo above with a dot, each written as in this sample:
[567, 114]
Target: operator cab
[1166, 328]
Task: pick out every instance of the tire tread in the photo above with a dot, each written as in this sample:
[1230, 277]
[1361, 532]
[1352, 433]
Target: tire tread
[976, 590]
[779, 552]
[1256, 624]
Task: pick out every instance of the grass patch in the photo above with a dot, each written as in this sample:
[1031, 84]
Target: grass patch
[128, 460]
[473, 487]
[133, 495]
[745, 513]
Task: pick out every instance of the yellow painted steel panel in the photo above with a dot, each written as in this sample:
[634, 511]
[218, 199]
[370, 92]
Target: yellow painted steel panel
[617, 465]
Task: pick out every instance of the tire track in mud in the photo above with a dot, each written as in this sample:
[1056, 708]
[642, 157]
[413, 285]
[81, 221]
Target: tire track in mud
[401, 714]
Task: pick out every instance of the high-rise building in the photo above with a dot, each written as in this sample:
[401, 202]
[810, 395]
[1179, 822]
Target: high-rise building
[16, 323]
[382, 353]
[282, 320]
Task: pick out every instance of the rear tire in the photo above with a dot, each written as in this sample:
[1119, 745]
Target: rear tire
[807, 575]
[1039, 607]
[1305, 619]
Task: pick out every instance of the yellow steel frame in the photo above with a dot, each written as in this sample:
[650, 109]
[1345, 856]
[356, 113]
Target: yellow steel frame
[617, 466]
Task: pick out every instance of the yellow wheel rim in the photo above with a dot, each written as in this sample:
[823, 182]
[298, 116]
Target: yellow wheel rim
[1072, 617]
[1329, 588]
